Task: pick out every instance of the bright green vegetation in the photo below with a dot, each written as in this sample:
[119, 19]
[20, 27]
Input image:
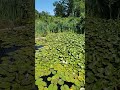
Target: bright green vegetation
[69, 16]
[50, 24]
[60, 61]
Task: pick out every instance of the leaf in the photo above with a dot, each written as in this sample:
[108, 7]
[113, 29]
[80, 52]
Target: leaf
[49, 78]
[66, 87]
[50, 87]
[60, 82]
[55, 87]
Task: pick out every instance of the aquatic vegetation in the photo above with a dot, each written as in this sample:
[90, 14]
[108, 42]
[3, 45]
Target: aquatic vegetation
[59, 65]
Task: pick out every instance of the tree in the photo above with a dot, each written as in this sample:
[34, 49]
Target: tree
[60, 8]
[67, 8]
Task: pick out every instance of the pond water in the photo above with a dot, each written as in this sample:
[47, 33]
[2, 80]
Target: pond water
[38, 47]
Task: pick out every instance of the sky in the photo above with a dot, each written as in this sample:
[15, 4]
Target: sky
[45, 5]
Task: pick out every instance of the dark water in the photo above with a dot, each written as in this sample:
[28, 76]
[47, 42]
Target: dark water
[36, 88]
[38, 47]
[5, 51]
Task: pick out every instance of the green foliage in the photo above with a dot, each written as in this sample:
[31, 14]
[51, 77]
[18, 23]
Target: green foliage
[63, 56]
[41, 14]
[59, 64]
[64, 87]
[103, 65]
[52, 87]
[69, 16]
[45, 25]
[16, 59]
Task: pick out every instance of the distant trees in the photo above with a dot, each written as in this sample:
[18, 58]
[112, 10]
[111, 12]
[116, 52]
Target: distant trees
[109, 9]
[36, 14]
[65, 8]
[42, 15]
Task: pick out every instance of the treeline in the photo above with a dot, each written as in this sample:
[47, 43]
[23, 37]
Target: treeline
[66, 8]
[107, 9]
[18, 11]
[52, 24]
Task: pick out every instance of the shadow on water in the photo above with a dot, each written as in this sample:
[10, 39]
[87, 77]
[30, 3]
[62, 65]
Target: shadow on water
[36, 88]
[38, 47]
[5, 51]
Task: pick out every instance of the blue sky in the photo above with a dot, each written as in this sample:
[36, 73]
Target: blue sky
[45, 5]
